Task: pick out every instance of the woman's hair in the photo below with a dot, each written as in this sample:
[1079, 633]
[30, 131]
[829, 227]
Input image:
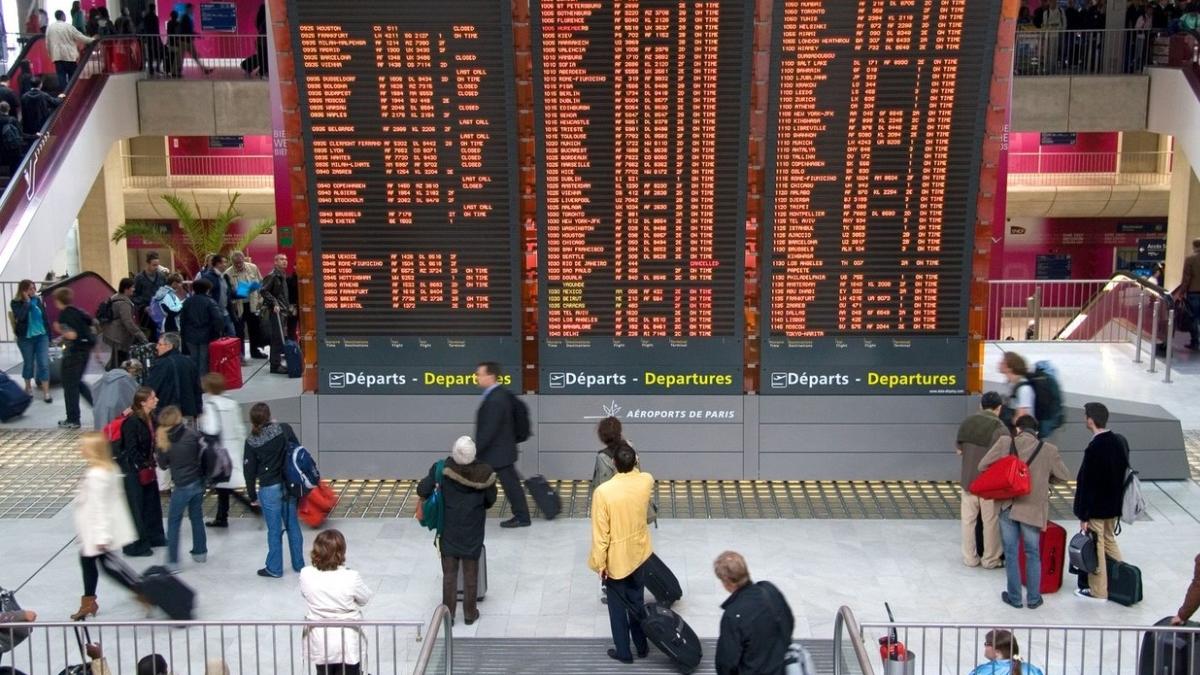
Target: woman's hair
[1005, 644]
[609, 431]
[260, 417]
[213, 384]
[25, 285]
[96, 450]
[329, 551]
[1016, 363]
[140, 397]
[174, 278]
[153, 664]
[168, 419]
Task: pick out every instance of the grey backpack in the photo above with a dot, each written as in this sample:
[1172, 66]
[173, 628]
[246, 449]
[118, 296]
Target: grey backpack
[1133, 504]
[799, 661]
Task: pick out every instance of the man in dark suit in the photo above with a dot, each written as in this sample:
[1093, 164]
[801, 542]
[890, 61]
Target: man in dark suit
[1100, 494]
[496, 439]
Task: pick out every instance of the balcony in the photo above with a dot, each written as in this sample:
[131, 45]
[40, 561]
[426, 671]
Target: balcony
[175, 172]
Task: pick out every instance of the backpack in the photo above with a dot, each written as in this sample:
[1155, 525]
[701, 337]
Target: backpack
[104, 313]
[1133, 503]
[300, 470]
[431, 512]
[155, 310]
[12, 141]
[522, 427]
[112, 430]
[1047, 397]
[799, 661]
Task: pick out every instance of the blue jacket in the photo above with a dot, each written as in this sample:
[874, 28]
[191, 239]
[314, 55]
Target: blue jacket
[1004, 667]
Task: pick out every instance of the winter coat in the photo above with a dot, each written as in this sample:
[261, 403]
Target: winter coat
[223, 416]
[976, 435]
[20, 314]
[145, 285]
[756, 631]
[36, 108]
[495, 435]
[200, 320]
[1034, 508]
[112, 395]
[334, 595]
[1100, 490]
[122, 332]
[102, 520]
[183, 456]
[265, 452]
[469, 491]
[173, 377]
[135, 450]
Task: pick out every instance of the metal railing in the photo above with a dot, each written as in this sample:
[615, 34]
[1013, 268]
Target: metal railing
[1033, 311]
[437, 655]
[850, 655]
[1083, 52]
[1089, 168]
[205, 56]
[198, 171]
[245, 647]
[953, 648]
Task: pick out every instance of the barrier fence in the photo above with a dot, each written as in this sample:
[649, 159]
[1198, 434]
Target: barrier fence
[1089, 168]
[1099, 52]
[198, 171]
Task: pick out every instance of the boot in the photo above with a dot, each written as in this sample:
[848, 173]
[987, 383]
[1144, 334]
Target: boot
[470, 591]
[87, 607]
[450, 584]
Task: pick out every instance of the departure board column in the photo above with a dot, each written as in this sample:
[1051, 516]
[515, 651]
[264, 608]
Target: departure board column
[874, 137]
[410, 141]
[641, 111]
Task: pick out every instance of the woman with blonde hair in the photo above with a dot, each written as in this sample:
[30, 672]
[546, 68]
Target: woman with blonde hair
[333, 592]
[102, 521]
[179, 451]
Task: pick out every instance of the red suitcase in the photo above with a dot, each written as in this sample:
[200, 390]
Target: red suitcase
[1054, 555]
[225, 357]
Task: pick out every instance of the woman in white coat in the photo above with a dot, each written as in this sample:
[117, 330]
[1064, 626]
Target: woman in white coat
[222, 416]
[102, 521]
[333, 593]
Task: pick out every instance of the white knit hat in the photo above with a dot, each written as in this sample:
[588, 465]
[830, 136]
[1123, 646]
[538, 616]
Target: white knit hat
[463, 451]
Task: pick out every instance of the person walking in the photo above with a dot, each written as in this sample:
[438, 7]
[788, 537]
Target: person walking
[277, 305]
[1023, 519]
[76, 328]
[1189, 292]
[114, 392]
[179, 451]
[102, 521]
[31, 326]
[63, 41]
[468, 490]
[976, 435]
[122, 331]
[1100, 494]
[620, 545]
[1003, 656]
[173, 377]
[136, 457]
[266, 450]
[496, 439]
[187, 39]
[756, 628]
[223, 418]
[202, 322]
[247, 309]
[333, 592]
[1021, 396]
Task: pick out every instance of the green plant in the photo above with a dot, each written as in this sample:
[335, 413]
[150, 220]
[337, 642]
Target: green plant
[195, 238]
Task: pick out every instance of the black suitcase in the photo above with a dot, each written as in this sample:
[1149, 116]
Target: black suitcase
[544, 496]
[1170, 653]
[13, 399]
[481, 591]
[660, 581]
[168, 592]
[1124, 583]
[673, 636]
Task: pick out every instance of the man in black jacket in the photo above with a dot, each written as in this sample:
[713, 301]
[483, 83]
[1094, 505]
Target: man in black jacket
[173, 377]
[756, 628]
[201, 322]
[276, 307]
[1100, 493]
[36, 107]
[145, 285]
[78, 330]
[496, 439]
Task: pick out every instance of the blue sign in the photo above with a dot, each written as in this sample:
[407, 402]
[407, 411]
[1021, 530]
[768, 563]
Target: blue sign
[1058, 138]
[226, 141]
[1153, 250]
[218, 17]
[1053, 267]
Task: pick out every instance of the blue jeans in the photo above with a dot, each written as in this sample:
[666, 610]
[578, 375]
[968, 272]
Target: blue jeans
[1010, 531]
[624, 593]
[190, 497]
[35, 352]
[279, 510]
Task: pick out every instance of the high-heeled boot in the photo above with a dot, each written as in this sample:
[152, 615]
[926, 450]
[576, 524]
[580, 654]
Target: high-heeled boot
[87, 607]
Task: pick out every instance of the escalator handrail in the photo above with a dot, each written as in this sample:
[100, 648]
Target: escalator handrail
[845, 623]
[1147, 285]
[440, 625]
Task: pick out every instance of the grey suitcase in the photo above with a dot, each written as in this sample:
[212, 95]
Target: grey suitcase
[481, 592]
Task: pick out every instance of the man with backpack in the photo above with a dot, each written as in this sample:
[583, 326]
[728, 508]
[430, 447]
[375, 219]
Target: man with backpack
[117, 318]
[756, 628]
[146, 285]
[12, 141]
[1035, 393]
[1099, 494]
[496, 439]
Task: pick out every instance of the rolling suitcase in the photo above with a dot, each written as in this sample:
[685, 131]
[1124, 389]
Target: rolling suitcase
[670, 633]
[225, 357]
[13, 399]
[1054, 553]
[1170, 653]
[481, 590]
[544, 496]
[293, 360]
[1124, 583]
[168, 592]
[660, 581]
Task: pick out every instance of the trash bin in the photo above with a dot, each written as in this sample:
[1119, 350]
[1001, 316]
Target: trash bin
[905, 667]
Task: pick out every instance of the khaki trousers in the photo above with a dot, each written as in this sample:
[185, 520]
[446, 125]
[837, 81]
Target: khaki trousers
[974, 508]
[1106, 547]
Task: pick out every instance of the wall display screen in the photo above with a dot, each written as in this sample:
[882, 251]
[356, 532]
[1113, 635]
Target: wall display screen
[874, 139]
[410, 152]
[641, 116]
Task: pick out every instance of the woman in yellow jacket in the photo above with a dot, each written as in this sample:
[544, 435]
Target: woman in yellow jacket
[620, 544]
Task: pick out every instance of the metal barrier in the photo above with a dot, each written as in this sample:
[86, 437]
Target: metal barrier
[1083, 52]
[1028, 310]
[187, 171]
[207, 56]
[437, 655]
[1089, 168]
[953, 648]
[244, 647]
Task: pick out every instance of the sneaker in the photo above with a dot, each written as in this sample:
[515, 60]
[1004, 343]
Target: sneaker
[1035, 605]
[200, 557]
[612, 654]
[217, 523]
[515, 522]
[1008, 600]
[264, 573]
[67, 424]
[137, 551]
[1086, 593]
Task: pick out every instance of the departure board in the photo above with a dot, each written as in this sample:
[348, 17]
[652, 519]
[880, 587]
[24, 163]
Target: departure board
[875, 134]
[410, 142]
[641, 113]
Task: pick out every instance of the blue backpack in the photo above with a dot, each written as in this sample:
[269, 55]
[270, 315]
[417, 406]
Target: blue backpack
[300, 470]
[155, 310]
[432, 513]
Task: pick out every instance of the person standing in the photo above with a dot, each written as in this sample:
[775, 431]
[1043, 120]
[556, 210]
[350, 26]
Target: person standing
[1191, 599]
[332, 593]
[102, 521]
[152, 45]
[77, 18]
[202, 323]
[247, 281]
[223, 418]
[169, 300]
[620, 546]
[136, 457]
[76, 327]
[173, 377]
[277, 305]
[756, 628]
[36, 107]
[221, 291]
[1189, 292]
[145, 287]
[1023, 519]
[31, 324]
[468, 491]
[122, 332]
[114, 393]
[496, 439]
[12, 141]
[179, 451]
[976, 435]
[266, 450]
[1100, 494]
[63, 41]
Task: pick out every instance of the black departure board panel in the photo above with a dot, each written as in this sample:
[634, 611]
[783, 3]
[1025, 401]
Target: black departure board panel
[410, 148]
[875, 134]
[641, 111]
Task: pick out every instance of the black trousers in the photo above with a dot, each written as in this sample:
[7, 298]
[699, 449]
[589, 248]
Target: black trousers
[74, 362]
[146, 509]
[223, 495]
[250, 328]
[338, 669]
[91, 575]
[511, 481]
[275, 325]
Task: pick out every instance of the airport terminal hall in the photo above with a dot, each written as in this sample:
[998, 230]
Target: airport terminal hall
[600, 337]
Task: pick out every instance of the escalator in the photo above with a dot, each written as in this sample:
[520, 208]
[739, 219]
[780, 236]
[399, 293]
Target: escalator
[1126, 307]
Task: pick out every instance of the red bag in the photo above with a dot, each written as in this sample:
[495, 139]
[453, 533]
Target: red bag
[316, 505]
[225, 357]
[112, 430]
[1053, 553]
[1008, 478]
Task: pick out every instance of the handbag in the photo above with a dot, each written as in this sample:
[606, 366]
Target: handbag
[1082, 553]
[147, 476]
[1008, 478]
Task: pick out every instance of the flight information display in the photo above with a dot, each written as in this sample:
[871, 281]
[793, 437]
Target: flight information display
[410, 147]
[875, 134]
[641, 113]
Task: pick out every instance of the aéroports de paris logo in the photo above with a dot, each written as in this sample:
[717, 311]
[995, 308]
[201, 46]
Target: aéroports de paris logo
[610, 410]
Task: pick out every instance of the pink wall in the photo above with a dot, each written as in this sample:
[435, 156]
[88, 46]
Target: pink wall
[223, 47]
[1091, 243]
[192, 156]
[1026, 145]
